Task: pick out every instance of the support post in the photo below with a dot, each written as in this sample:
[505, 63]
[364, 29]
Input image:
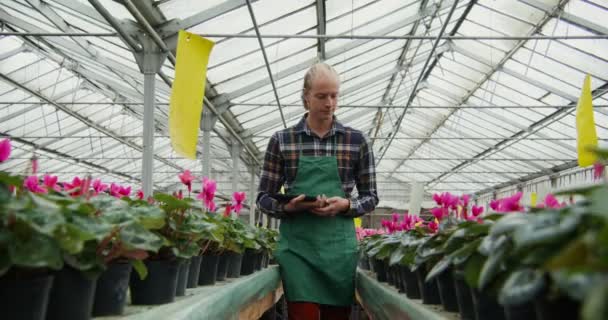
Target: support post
[236, 150]
[252, 196]
[416, 194]
[149, 60]
[207, 123]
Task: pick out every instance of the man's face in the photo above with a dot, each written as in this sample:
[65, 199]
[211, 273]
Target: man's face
[322, 98]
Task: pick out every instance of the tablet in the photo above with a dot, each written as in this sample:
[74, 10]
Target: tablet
[284, 198]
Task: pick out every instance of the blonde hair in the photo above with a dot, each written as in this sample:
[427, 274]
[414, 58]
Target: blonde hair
[315, 70]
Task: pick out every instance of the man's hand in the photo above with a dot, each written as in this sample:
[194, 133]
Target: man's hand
[335, 205]
[298, 204]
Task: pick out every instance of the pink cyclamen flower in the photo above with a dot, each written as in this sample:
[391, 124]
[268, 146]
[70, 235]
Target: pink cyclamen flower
[98, 186]
[208, 193]
[598, 170]
[438, 199]
[124, 192]
[115, 190]
[511, 204]
[186, 179]
[552, 202]
[5, 149]
[238, 198]
[494, 204]
[139, 194]
[476, 211]
[438, 213]
[179, 194]
[395, 217]
[228, 210]
[50, 182]
[433, 226]
[31, 183]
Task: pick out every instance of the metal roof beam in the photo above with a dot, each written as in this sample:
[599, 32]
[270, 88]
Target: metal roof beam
[321, 26]
[329, 54]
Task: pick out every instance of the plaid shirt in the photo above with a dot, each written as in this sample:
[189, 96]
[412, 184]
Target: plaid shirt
[356, 165]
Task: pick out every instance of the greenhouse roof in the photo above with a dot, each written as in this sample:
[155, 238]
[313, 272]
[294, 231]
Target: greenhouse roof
[461, 96]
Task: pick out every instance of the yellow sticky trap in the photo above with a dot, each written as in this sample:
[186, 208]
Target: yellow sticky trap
[585, 126]
[188, 91]
[357, 222]
[533, 199]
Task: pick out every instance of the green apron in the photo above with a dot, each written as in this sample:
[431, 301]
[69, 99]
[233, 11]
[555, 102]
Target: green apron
[318, 255]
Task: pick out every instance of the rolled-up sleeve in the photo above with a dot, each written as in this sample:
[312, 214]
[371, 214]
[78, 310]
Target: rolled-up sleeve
[271, 179]
[365, 178]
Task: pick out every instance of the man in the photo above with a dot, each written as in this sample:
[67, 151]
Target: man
[319, 157]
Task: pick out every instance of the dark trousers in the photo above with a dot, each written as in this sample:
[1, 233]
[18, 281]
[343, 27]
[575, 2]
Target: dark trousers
[315, 311]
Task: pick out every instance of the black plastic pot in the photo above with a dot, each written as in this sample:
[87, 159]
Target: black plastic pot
[222, 267]
[464, 298]
[71, 296]
[411, 282]
[259, 260]
[111, 291]
[560, 308]
[400, 279]
[525, 311]
[25, 298]
[235, 264]
[428, 290]
[208, 272]
[447, 291]
[364, 263]
[267, 259]
[380, 269]
[250, 261]
[159, 286]
[194, 272]
[389, 274]
[486, 306]
[182, 277]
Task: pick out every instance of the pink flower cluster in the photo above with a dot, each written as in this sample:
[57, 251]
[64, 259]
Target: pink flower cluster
[508, 204]
[363, 233]
[551, 202]
[408, 222]
[208, 193]
[453, 205]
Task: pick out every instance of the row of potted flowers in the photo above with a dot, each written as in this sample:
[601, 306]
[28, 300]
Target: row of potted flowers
[545, 262]
[67, 250]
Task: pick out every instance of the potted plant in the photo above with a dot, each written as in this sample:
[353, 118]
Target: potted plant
[127, 245]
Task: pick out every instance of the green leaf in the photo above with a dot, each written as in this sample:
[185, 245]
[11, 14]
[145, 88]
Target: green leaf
[397, 255]
[96, 228]
[85, 260]
[577, 285]
[151, 218]
[461, 255]
[44, 221]
[72, 238]
[509, 223]
[5, 262]
[574, 254]
[7, 179]
[135, 236]
[491, 244]
[439, 268]
[140, 268]
[546, 228]
[522, 286]
[595, 306]
[35, 251]
[599, 202]
[472, 269]
[492, 267]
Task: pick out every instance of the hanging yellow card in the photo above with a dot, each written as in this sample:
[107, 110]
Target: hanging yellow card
[188, 91]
